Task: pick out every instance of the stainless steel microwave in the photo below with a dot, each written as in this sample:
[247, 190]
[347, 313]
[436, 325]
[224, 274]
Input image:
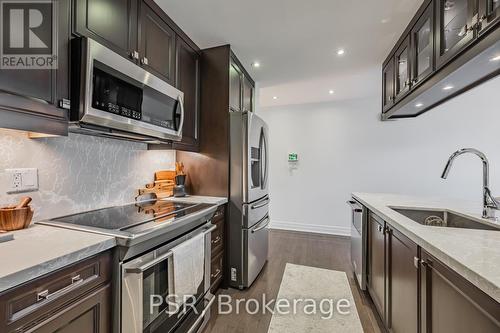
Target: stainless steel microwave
[113, 97]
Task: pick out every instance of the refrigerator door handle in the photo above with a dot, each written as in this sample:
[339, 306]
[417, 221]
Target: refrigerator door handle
[261, 204]
[261, 225]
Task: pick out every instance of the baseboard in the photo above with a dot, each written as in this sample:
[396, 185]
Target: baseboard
[315, 228]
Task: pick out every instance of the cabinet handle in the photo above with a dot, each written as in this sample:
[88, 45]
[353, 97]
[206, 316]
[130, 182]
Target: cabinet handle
[45, 295]
[416, 262]
[216, 240]
[144, 61]
[216, 274]
[134, 55]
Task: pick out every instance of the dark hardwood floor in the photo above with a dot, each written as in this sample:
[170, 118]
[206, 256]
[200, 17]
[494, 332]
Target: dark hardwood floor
[323, 251]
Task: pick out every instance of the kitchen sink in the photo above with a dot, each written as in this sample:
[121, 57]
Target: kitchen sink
[444, 218]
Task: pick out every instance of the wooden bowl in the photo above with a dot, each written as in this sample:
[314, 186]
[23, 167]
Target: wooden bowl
[15, 218]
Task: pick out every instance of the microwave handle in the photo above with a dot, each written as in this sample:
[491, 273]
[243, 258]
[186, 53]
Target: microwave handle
[181, 103]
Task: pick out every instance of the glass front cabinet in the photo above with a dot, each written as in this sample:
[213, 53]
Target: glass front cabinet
[422, 46]
[489, 14]
[455, 24]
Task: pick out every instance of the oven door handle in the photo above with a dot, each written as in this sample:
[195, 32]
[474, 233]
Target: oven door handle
[202, 316]
[143, 268]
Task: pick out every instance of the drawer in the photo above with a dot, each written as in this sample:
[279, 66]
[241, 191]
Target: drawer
[49, 293]
[217, 237]
[216, 272]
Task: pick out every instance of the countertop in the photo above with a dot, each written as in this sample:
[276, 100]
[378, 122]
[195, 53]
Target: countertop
[41, 249]
[474, 254]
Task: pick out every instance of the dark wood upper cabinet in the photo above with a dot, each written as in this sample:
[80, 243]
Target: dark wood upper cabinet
[422, 47]
[112, 23]
[188, 81]
[388, 85]
[235, 87]
[451, 44]
[454, 27]
[402, 67]
[30, 98]
[156, 44]
[451, 304]
[402, 282]
[489, 14]
[248, 95]
[376, 264]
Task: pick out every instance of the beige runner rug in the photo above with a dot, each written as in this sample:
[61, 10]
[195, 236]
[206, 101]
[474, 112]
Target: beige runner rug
[323, 302]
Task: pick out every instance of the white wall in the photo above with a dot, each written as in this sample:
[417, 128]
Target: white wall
[344, 148]
[79, 173]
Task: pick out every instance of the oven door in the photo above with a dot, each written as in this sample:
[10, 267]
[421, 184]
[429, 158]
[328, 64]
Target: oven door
[147, 303]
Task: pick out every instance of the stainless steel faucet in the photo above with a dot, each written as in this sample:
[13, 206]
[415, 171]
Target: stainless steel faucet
[490, 204]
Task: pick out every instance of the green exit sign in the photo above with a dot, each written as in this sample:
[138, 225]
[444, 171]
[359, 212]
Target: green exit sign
[293, 157]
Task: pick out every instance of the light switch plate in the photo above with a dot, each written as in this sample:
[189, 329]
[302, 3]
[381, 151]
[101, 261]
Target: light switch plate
[22, 180]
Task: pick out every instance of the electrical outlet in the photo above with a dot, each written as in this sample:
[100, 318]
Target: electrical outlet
[22, 180]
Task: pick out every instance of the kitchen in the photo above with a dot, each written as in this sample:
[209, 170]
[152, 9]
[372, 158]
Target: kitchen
[172, 152]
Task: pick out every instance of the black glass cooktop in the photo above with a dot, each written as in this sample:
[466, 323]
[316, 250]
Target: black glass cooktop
[131, 217]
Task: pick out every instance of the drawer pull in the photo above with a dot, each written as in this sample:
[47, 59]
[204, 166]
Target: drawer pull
[45, 295]
[216, 274]
[216, 240]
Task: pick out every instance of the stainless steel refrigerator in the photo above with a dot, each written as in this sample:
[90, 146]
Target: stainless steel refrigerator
[249, 199]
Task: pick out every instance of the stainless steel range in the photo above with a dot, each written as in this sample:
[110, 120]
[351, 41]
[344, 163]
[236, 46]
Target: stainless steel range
[153, 237]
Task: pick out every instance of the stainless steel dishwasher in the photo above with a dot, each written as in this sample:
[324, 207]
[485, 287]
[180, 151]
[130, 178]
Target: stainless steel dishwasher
[359, 241]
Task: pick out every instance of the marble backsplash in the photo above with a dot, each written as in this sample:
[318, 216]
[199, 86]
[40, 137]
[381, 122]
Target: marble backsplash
[78, 172]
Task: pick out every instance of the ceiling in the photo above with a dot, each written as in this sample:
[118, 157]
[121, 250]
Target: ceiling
[296, 42]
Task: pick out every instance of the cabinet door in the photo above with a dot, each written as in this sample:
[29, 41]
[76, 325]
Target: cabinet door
[91, 314]
[450, 304]
[112, 23]
[235, 87]
[402, 278]
[376, 264]
[44, 84]
[188, 81]
[248, 93]
[156, 44]
[454, 27]
[489, 13]
[388, 86]
[402, 68]
[422, 46]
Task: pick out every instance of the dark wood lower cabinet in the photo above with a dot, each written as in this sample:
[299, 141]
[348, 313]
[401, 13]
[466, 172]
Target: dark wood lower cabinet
[402, 283]
[414, 292]
[73, 299]
[451, 304]
[376, 263]
[91, 314]
[218, 253]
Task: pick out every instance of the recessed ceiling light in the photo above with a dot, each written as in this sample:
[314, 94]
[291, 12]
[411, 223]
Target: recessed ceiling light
[384, 21]
[256, 64]
[275, 97]
[419, 105]
[331, 92]
[497, 58]
[340, 52]
[448, 87]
